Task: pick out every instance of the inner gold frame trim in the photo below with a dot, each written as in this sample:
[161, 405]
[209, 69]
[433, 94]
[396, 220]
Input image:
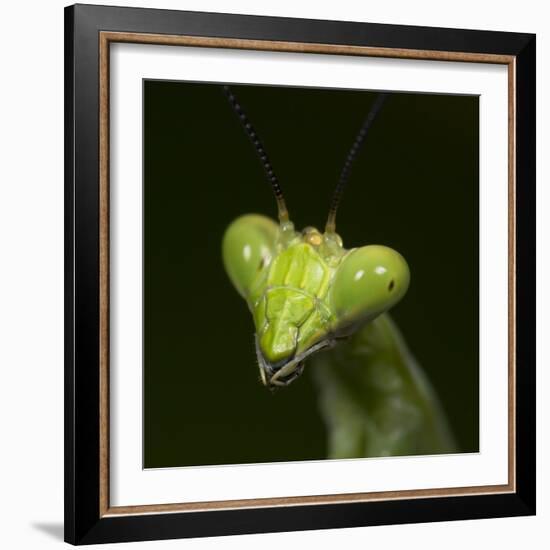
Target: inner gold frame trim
[105, 39]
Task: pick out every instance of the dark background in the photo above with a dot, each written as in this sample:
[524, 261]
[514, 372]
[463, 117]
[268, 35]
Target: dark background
[414, 187]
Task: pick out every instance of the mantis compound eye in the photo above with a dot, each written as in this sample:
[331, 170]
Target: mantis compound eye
[369, 281]
[247, 249]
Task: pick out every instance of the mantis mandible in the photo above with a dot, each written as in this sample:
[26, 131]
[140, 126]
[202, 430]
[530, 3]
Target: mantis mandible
[308, 294]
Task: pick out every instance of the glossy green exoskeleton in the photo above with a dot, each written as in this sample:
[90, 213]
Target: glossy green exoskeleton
[307, 294]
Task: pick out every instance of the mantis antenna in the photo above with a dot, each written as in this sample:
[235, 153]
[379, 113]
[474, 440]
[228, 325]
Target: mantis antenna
[271, 177]
[346, 170]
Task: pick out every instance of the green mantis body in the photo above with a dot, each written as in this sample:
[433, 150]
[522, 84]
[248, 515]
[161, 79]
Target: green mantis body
[314, 301]
[375, 399]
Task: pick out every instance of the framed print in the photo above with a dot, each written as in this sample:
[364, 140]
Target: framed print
[299, 274]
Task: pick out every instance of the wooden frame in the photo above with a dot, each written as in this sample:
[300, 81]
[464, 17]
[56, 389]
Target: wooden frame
[89, 517]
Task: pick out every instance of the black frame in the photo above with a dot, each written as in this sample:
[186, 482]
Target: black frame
[83, 524]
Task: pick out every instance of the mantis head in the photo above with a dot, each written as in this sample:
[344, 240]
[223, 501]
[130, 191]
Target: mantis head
[304, 289]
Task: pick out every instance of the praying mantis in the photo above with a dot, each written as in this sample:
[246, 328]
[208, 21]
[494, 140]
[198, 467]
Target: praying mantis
[314, 301]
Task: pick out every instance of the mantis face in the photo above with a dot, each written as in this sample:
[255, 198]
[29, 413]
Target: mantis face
[304, 290]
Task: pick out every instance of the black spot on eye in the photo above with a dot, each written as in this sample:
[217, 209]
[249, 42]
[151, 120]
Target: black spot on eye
[391, 285]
